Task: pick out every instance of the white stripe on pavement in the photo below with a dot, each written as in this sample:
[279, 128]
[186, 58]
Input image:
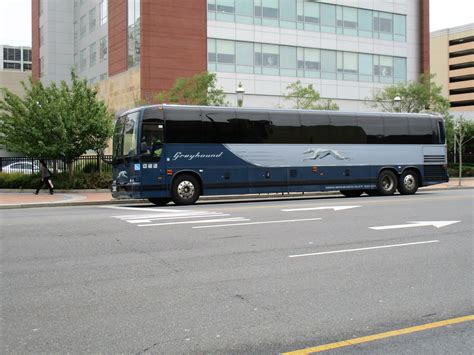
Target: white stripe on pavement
[201, 221]
[148, 220]
[361, 249]
[254, 223]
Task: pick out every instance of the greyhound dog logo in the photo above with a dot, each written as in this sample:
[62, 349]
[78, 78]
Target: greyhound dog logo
[122, 174]
[323, 153]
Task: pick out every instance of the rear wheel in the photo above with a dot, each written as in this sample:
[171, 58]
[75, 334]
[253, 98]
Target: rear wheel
[159, 201]
[408, 183]
[387, 183]
[351, 193]
[186, 189]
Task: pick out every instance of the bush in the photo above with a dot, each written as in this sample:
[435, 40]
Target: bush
[467, 170]
[79, 180]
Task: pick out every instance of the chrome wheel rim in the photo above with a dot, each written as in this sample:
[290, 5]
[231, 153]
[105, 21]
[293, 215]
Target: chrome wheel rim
[186, 190]
[409, 182]
[387, 183]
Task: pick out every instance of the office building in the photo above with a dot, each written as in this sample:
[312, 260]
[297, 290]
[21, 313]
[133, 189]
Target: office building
[132, 49]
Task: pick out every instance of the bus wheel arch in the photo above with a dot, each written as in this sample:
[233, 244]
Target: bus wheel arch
[387, 182]
[186, 188]
[409, 181]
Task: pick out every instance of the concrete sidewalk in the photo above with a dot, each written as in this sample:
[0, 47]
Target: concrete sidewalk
[26, 198]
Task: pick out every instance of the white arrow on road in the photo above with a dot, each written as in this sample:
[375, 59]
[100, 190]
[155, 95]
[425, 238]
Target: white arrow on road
[335, 208]
[437, 224]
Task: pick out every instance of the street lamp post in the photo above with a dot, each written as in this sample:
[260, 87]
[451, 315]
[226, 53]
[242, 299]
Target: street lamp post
[397, 103]
[240, 91]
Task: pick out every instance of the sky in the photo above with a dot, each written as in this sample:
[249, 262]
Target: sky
[15, 18]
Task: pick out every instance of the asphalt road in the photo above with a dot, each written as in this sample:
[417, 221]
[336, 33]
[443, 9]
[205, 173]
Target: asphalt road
[243, 278]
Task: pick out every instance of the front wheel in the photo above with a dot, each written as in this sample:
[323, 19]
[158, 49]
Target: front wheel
[161, 201]
[186, 190]
[387, 183]
[351, 193]
[408, 183]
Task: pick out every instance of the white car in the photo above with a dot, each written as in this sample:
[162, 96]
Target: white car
[21, 167]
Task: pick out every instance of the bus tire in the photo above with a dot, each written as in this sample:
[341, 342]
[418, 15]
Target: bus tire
[351, 193]
[387, 183]
[159, 201]
[185, 190]
[408, 182]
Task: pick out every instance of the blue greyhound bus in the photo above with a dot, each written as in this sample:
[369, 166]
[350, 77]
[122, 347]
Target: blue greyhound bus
[177, 153]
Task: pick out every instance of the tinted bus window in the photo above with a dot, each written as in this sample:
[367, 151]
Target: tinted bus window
[396, 130]
[421, 131]
[285, 127]
[250, 126]
[372, 126]
[344, 130]
[216, 125]
[441, 132]
[183, 125]
[314, 127]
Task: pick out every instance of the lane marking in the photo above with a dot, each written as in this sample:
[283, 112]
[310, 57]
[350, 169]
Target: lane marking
[265, 222]
[138, 208]
[192, 222]
[335, 208]
[379, 336]
[437, 224]
[148, 220]
[361, 249]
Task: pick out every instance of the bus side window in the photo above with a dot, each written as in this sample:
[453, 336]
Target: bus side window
[442, 134]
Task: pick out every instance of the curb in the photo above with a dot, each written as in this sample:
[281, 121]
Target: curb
[229, 198]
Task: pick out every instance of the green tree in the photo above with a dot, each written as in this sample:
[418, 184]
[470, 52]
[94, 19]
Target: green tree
[200, 89]
[415, 96]
[56, 121]
[305, 97]
[463, 133]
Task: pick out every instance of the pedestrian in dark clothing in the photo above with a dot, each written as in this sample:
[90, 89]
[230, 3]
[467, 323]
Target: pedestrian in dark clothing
[45, 178]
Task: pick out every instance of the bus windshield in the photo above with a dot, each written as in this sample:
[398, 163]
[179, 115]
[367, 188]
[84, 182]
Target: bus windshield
[125, 136]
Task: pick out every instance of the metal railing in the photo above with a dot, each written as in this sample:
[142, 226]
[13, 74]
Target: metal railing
[25, 165]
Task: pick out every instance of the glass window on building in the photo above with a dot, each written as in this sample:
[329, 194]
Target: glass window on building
[350, 21]
[365, 23]
[133, 33]
[312, 63]
[16, 66]
[365, 67]
[211, 54]
[244, 57]
[225, 55]
[92, 19]
[270, 13]
[328, 18]
[225, 10]
[328, 64]
[82, 60]
[386, 26]
[82, 26]
[270, 59]
[287, 13]
[350, 66]
[288, 61]
[311, 16]
[92, 54]
[103, 12]
[103, 49]
[399, 28]
[26, 66]
[399, 69]
[27, 55]
[244, 11]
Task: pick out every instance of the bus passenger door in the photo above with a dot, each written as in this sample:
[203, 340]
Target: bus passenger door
[152, 149]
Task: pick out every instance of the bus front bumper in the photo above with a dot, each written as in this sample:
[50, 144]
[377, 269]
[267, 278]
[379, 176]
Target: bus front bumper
[126, 191]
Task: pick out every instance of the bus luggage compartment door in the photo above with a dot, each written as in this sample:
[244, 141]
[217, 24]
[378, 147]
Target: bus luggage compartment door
[266, 180]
